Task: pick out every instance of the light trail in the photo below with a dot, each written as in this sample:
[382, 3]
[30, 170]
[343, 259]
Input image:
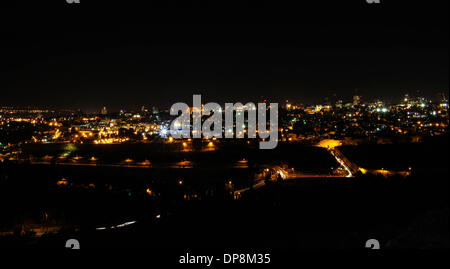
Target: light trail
[341, 162]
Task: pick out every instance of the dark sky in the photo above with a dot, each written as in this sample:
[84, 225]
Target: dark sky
[125, 55]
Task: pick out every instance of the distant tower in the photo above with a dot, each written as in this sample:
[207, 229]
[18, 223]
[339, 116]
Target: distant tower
[104, 111]
[443, 97]
[155, 110]
[356, 100]
[406, 98]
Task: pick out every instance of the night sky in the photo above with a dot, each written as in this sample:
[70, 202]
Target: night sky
[124, 55]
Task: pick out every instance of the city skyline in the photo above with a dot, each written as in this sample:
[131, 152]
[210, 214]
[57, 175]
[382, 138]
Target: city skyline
[234, 131]
[438, 97]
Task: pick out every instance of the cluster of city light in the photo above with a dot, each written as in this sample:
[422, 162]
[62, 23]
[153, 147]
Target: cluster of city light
[412, 115]
[111, 140]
